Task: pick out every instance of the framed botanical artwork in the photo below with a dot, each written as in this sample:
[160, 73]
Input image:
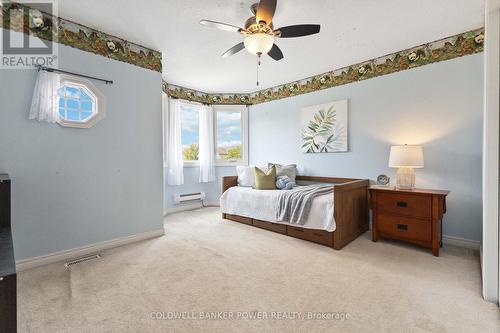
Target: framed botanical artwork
[324, 128]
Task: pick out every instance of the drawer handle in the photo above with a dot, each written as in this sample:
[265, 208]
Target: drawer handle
[402, 204]
[299, 230]
[402, 226]
[317, 234]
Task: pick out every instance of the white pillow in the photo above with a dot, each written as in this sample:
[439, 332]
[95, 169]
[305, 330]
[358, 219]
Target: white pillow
[246, 175]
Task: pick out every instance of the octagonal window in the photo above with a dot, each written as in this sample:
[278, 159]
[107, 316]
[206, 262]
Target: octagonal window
[80, 104]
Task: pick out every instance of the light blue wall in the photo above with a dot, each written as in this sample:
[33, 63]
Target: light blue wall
[73, 187]
[191, 184]
[438, 106]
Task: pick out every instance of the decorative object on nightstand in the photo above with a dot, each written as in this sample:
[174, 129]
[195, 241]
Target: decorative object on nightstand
[406, 158]
[383, 180]
[414, 216]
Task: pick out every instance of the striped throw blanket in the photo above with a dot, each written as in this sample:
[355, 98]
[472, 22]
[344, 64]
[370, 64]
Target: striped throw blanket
[294, 205]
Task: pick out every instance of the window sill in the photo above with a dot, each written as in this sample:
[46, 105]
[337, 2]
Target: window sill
[218, 164]
[229, 164]
[191, 164]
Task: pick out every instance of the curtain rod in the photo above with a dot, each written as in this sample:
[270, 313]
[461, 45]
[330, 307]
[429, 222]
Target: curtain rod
[48, 69]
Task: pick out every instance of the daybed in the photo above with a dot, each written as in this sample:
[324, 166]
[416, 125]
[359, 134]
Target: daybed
[350, 212]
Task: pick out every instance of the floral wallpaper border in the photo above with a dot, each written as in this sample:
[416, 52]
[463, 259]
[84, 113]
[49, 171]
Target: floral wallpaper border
[52, 28]
[460, 45]
[201, 97]
[87, 39]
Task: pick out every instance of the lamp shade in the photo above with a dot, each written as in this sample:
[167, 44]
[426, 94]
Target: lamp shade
[406, 156]
[259, 43]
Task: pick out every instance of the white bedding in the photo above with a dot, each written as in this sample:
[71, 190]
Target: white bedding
[261, 205]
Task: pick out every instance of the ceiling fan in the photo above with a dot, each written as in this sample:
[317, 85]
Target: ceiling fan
[259, 32]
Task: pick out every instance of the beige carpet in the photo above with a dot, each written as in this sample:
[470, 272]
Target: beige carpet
[204, 264]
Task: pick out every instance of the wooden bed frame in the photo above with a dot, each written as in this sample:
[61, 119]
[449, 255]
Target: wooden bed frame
[350, 212]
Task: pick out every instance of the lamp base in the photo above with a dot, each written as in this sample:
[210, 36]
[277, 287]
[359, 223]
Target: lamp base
[405, 179]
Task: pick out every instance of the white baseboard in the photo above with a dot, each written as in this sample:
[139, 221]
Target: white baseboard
[182, 208]
[461, 242]
[24, 264]
[187, 207]
[212, 204]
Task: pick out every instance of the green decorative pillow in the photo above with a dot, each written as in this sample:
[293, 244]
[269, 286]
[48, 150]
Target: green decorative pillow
[265, 180]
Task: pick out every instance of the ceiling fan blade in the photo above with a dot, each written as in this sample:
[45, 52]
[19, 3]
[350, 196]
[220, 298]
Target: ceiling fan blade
[235, 49]
[221, 26]
[298, 30]
[276, 53]
[265, 11]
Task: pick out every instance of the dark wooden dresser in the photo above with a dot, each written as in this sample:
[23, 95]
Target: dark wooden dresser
[413, 216]
[8, 301]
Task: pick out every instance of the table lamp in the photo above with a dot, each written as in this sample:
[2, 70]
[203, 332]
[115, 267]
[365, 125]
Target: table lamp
[406, 158]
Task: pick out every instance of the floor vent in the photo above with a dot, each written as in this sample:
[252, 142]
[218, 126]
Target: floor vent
[82, 259]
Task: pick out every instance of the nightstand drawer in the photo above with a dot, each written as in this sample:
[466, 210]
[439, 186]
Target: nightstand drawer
[404, 204]
[405, 228]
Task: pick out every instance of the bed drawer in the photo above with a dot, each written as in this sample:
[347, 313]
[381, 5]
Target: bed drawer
[276, 227]
[238, 218]
[404, 228]
[405, 204]
[317, 236]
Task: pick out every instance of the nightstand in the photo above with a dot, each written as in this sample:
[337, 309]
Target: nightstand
[413, 216]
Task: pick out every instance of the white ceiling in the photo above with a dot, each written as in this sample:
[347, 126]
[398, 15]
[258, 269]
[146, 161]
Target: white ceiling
[352, 31]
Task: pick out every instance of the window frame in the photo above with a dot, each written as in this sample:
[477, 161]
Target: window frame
[100, 106]
[191, 164]
[243, 109]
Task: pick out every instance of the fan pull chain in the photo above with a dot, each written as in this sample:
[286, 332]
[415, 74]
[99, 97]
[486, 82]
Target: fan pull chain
[258, 65]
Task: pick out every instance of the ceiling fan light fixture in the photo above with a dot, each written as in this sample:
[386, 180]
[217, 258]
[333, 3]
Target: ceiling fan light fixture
[259, 32]
[259, 43]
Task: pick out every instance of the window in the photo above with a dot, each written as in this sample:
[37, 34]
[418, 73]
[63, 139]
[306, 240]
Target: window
[190, 131]
[230, 134]
[80, 104]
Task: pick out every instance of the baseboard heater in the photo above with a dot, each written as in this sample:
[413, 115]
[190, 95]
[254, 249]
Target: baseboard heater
[189, 197]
